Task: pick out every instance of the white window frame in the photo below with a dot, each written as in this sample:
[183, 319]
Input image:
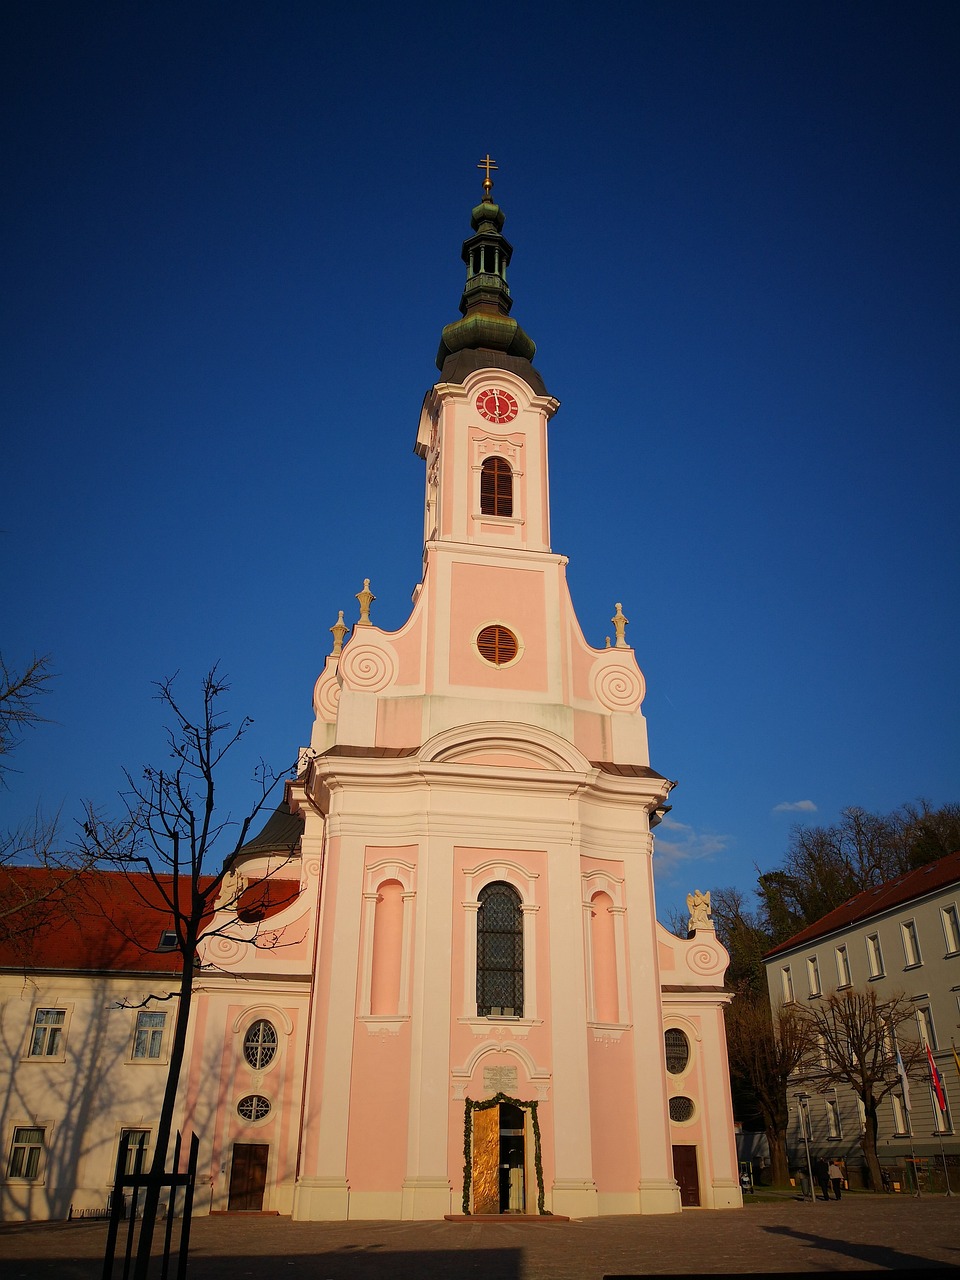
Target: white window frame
[901, 1116]
[834, 1120]
[927, 1031]
[39, 1147]
[843, 966]
[813, 976]
[786, 985]
[911, 944]
[950, 920]
[874, 955]
[942, 1121]
[42, 1029]
[148, 1037]
[132, 1150]
[257, 1046]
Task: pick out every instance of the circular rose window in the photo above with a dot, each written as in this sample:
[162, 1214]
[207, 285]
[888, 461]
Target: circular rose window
[681, 1109]
[254, 1107]
[497, 645]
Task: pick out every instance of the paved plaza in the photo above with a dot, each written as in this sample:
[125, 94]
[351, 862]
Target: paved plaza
[861, 1233]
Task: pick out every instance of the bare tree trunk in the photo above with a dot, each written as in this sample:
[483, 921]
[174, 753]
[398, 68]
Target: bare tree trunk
[868, 1143]
[779, 1164]
[165, 1125]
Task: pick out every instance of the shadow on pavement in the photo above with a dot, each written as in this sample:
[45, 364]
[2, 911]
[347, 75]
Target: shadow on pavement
[351, 1263]
[877, 1255]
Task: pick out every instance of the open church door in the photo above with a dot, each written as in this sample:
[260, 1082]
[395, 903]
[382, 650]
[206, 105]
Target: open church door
[486, 1160]
[499, 1159]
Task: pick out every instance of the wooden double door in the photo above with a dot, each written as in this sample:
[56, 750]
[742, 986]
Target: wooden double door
[248, 1176]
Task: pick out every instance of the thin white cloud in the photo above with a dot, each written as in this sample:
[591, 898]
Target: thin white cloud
[795, 806]
[676, 843]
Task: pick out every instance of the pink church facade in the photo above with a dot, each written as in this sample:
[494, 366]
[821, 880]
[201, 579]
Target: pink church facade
[466, 1003]
[477, 920]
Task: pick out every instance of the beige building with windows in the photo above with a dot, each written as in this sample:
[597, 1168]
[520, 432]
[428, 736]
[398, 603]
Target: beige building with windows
[901, 937]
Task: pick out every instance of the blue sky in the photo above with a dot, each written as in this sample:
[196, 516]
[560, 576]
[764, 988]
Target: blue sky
[231, 239]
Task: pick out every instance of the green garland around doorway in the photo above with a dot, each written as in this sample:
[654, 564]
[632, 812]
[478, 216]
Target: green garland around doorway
[484, 1105]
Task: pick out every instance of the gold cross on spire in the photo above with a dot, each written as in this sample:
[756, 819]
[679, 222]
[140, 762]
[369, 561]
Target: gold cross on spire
[487, 164]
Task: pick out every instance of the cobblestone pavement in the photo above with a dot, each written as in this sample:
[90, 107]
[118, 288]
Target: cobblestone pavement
[861, 1233]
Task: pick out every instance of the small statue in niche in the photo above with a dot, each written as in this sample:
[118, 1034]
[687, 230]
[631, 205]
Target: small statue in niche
[698, 904]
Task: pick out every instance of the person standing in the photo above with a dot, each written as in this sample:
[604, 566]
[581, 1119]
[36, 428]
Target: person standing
[836, 1177]
[821, 1171]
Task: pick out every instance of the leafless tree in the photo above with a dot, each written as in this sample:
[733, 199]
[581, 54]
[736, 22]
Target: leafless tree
[171, 831]
[852, 1040]
[19, 692]
[765, 1050]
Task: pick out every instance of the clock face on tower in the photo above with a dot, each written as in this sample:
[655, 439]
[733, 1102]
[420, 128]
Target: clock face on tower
[497, 406]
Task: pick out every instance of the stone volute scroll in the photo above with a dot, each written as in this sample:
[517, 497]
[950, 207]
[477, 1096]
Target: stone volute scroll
[698, 904]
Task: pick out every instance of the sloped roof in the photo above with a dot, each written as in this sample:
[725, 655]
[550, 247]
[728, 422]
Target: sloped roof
[89, 921]
[281, 833]
[872, 902]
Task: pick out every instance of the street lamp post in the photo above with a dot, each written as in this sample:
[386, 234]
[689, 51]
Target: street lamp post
[802, 1100]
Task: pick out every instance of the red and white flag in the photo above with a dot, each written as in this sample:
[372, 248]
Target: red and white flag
[936, 1080]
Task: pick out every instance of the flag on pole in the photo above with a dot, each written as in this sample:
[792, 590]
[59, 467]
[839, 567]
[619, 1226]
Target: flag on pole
[901, 1072]
[936, 1080]
[956, 1059]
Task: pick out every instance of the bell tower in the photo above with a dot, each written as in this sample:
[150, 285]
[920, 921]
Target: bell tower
[483, 429]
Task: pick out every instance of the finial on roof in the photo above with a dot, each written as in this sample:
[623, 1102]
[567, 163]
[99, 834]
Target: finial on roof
[339, 630]
[487, 164]
[366, 598]
[620, 623]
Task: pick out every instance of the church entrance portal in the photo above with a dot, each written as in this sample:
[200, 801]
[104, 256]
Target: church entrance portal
[498, 1159]
[687, 1175]
[248, 1176]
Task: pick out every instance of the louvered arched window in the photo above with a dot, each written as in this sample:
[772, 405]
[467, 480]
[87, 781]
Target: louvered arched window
[496, 487]
[500, 951]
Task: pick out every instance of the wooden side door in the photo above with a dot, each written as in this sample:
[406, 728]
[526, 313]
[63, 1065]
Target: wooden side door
[248, 1176]
[687, 1175]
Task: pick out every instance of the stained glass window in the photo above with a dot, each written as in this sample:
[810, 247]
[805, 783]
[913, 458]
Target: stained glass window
[500, 952]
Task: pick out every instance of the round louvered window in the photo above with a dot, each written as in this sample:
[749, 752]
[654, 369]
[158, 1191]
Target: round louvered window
[254, 1107]
[677, 1048]
[681, 1109]
[497, 645]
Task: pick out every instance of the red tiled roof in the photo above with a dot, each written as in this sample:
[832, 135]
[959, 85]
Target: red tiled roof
[871, 902]
[101, 921]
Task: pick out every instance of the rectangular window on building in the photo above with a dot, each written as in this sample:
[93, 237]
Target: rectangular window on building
[843, 967]
[137, 1142]
[951, 928]
[911, 944]
[813, 975]
[148, 1037]
[834, 1128]
[786, 982]
[823, 1058]
[901, 1121]
[25, 1153]
[874, 956]
[925, 1027]
[942, 1122]
[47, 1038]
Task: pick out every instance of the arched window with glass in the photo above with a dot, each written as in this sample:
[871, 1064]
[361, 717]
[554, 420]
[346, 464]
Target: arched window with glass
[500, 952]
